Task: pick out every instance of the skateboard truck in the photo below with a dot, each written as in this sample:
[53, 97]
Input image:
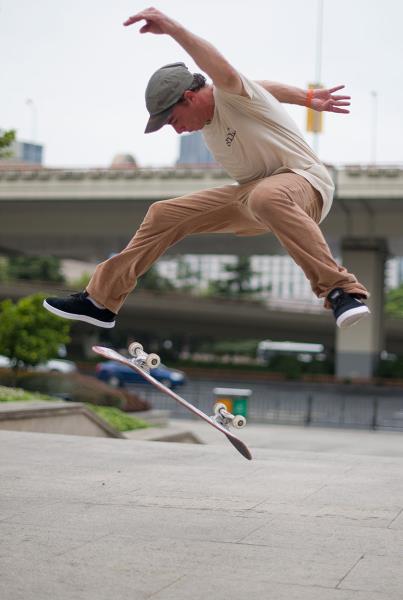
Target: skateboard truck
[142, 359]
[225, 418]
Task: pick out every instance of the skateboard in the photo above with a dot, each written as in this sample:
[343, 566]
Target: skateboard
[141, 362]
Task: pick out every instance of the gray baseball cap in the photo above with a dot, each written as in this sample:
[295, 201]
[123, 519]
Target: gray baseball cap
[163, 91]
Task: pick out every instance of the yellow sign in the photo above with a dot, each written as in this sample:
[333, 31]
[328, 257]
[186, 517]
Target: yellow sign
[226, 401]
[314, 119]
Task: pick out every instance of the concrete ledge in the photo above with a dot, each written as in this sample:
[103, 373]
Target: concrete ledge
[69, 418]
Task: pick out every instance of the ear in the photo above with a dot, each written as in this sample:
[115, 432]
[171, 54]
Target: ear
[189, 96]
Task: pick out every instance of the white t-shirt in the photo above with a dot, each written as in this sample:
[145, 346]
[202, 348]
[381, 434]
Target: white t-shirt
[253, 137]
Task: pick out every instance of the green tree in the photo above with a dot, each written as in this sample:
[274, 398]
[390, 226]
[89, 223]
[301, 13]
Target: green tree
[186, 278]
[6, 139]
[29, 334]
[81, 282]
[233, 348]
[152, 280]
[3, 268]
[239, 282]
[394, 302]
[39, 268]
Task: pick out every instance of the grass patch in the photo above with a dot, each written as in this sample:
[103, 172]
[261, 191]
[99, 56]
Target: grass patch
[18, 395]
[117, 419]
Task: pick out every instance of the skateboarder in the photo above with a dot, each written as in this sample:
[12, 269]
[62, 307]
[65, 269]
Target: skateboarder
[281, 187]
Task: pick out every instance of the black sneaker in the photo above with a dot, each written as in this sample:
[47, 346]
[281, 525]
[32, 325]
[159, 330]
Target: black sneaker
[348, 309]
[79, 308]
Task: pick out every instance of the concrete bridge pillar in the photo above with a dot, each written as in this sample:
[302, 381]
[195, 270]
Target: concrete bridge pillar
[83, 338]
[358, 348]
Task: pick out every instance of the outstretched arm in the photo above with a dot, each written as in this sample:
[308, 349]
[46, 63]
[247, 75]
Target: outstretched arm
[222, 73]
[323, 99]
[204, 54]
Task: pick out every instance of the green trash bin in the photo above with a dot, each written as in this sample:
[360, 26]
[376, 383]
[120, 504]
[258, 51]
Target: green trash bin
[236, 400]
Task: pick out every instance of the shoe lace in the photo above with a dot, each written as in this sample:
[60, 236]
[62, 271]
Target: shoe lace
[337, 300]
[77, 295]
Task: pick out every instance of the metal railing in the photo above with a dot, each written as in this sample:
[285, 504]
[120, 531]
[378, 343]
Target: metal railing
[274, 405]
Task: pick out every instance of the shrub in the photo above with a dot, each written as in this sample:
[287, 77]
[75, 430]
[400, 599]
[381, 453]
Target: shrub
[133, 403]
[391, 368]
[289, 365]
[74, 387]
[39, 268]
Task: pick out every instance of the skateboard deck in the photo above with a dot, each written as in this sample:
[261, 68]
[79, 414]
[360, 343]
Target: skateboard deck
[116, 356]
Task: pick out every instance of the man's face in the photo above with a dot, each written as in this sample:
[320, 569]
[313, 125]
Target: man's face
[188, 115]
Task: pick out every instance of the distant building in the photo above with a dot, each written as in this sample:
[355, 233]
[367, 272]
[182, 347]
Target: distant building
[394, 273]
[193, 151]
[123, 161]
[24, 153]
[280, 278]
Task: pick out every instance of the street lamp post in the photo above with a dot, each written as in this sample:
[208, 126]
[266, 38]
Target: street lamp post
[34, 117]
[318, 66]
[314, 119]
[374, 127]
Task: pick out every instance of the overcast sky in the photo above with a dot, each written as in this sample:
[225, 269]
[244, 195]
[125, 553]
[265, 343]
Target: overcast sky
[86, 73]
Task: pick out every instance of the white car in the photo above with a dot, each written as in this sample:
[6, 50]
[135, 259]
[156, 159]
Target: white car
[55, 364]
[4, 362]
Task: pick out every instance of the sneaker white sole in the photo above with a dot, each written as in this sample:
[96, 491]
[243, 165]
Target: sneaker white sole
[73, 317]
[352, 316]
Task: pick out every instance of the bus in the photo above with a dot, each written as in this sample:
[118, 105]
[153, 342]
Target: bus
[304, 352]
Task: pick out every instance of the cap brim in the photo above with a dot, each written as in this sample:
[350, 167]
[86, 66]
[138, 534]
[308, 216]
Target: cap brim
[155, 122]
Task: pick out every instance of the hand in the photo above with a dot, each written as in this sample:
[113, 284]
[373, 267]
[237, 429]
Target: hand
[156, 22]
[326, 100]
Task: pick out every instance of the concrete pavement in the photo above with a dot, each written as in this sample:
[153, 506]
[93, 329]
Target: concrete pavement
[311, 439]
[96, 518]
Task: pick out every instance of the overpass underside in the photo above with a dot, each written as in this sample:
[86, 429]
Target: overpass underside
[173, 315]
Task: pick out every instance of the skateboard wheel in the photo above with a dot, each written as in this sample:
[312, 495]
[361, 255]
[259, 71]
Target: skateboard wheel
[153, 361]
[135, 348]
[238, 422]
[218, 407]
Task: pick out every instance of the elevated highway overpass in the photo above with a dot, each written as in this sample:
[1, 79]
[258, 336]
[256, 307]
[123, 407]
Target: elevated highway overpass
[89, 214]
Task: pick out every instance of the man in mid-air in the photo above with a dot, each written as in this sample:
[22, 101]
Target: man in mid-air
[282, 186]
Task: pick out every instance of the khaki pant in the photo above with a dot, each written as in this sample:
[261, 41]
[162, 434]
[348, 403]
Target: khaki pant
[285, 204]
